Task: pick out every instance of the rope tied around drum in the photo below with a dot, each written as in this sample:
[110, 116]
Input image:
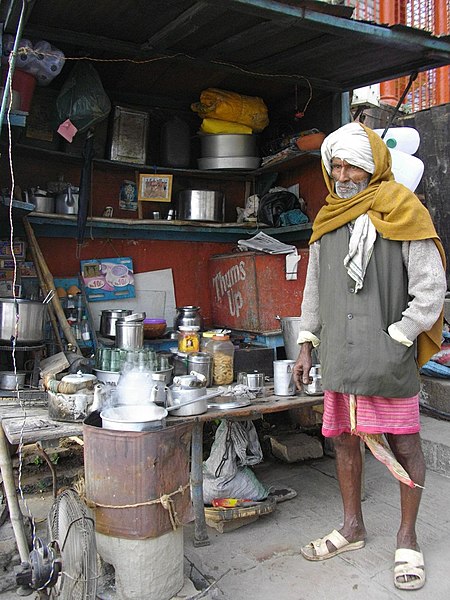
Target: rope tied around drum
[165, 500]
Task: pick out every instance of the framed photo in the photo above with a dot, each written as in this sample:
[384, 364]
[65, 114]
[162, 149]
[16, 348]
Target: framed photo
[155, 188]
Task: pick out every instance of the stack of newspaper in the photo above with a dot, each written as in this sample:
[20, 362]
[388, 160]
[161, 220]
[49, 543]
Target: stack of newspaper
[265, 243]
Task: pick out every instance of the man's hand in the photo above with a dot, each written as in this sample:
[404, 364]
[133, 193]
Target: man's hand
[303, 365]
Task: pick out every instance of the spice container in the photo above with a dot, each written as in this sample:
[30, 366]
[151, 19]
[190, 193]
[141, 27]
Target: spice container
[222, 350]
[188, 339]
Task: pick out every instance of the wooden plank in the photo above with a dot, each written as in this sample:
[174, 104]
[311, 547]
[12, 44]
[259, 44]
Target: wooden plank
[38, 428]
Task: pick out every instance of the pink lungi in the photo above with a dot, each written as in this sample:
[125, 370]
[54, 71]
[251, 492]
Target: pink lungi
[374, 414]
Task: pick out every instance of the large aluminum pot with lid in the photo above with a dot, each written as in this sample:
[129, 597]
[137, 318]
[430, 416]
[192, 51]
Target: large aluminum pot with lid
[108, 321]
[30, 317]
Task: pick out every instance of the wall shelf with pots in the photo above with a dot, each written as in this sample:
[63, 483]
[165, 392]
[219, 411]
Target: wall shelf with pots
[61, 225]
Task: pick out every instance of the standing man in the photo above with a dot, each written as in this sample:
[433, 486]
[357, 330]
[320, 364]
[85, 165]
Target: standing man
[373, 301]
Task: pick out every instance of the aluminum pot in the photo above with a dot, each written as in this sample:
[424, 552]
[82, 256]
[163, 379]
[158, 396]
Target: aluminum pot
[42, 200]
[30, 323]
[228, 144]
[247, 163]
[108, 321]
[201, 205]
[8, 380]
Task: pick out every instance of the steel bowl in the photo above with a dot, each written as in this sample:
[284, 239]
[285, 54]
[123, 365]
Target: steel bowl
[130, 417]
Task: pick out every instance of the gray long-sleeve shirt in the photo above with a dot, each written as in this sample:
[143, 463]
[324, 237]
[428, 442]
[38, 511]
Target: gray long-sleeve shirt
[426, 286]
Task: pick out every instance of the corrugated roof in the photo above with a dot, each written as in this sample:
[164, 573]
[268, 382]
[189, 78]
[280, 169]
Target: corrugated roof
[257, 47]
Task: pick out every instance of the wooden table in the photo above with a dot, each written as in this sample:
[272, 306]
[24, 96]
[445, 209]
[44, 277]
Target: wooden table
[31, 424]
[259, 407]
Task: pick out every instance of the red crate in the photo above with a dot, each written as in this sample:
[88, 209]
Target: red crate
[249, 290]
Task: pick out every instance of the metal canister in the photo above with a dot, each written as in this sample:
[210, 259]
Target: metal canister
[201, 362]
[180, 364]
[129, 334]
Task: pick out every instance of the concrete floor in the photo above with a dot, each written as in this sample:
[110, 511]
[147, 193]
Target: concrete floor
[262, 560]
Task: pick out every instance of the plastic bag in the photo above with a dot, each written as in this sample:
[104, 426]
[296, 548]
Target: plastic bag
[226, 473]
[230, 106]
[273, 204]
[82, 98]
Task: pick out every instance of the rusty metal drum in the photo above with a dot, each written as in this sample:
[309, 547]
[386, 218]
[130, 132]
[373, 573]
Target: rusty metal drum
[133, 470]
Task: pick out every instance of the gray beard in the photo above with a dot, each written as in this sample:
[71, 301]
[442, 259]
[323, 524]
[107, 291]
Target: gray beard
[350, 189]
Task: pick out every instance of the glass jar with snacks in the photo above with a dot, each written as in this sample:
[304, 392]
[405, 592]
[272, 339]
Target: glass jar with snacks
[222, 350]
[188, 339]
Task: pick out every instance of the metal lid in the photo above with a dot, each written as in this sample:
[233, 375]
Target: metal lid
[133, 317]
[189, 328]
[199, 357]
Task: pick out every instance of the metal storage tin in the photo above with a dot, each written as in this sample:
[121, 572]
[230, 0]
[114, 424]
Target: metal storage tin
[129, 335]
[201, 362]
[129, 135]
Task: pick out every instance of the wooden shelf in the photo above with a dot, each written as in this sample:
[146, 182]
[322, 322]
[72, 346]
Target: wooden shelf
[66, 226]
[298, 159]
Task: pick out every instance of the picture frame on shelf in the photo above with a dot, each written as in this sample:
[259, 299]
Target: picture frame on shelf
[154, 187]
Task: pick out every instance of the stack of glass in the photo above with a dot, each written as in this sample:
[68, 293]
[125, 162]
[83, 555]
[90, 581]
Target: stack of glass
[115, 360]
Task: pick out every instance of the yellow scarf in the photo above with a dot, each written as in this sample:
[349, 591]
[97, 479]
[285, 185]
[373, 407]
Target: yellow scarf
[396, 213]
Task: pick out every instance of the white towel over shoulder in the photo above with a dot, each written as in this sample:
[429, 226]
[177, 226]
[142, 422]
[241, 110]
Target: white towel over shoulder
[360, 249]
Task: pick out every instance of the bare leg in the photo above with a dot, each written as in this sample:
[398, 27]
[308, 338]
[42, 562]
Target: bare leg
[348, 469]
[408, 451]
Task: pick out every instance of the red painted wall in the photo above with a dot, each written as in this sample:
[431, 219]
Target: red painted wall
[188, 261]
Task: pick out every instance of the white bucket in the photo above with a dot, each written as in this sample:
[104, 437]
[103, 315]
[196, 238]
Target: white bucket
[283, 378]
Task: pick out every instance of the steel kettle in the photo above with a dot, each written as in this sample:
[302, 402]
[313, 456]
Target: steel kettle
[67, 202]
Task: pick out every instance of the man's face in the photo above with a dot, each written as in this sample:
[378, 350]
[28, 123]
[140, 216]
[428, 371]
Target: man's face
[349, 180]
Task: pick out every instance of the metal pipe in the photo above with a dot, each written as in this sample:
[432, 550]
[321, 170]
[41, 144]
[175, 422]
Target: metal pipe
[200, 533]
[15, 513]
[12, 62]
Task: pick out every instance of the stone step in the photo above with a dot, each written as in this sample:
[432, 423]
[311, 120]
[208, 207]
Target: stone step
[435, 434]
[435, 394]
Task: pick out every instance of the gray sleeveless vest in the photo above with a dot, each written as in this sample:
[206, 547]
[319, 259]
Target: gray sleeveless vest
[357, 354]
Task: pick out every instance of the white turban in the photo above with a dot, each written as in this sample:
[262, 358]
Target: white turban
[349, 143]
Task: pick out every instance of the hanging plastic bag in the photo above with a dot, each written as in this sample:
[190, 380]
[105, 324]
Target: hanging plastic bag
[226, 473]
[230, 106]
[82, 98]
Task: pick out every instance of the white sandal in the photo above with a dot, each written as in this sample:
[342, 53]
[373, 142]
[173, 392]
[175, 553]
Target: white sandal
[409, 570]
[318, 549]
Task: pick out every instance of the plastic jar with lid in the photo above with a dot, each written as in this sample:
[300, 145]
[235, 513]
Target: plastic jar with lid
[188, 339]
[207, 336]
[222, 350]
